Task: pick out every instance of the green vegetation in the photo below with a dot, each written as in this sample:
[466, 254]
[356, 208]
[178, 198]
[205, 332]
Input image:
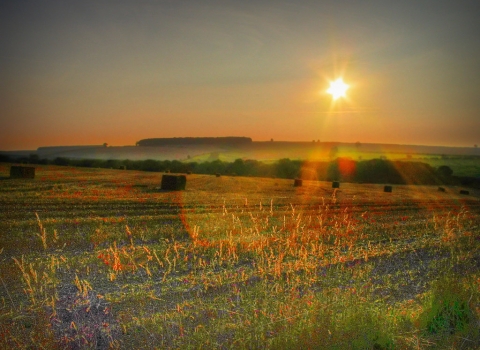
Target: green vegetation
[461, 166]
[339, 169]
[98, 258]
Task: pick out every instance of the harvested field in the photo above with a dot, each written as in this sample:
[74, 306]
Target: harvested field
[100, 258]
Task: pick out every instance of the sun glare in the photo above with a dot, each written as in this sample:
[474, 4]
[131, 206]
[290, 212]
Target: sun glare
[337, 88]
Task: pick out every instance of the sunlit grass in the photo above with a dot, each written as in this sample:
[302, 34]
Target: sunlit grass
[234, 263]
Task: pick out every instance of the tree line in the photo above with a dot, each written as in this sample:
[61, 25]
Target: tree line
[231, 141]
[340, 169]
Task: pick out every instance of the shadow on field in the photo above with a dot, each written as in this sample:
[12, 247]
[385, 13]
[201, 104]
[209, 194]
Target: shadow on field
[95, 326]
[176, 199]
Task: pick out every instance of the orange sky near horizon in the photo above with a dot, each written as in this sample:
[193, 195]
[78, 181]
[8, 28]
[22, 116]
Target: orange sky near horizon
[88, 72]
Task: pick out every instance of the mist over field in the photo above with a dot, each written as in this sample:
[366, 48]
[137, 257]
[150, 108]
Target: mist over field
[267, 150]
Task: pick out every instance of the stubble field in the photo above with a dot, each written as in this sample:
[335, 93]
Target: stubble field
[96, 258]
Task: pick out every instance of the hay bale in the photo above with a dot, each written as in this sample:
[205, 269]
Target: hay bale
[335, 184]
[441, 189]
[387, 189]
[22, 172]
[297, 183]
[173, 182]
[464, 192]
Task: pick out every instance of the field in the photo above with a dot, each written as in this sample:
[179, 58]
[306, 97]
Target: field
[93, 258]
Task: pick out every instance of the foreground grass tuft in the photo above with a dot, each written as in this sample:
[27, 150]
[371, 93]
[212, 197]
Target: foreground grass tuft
[450, 313]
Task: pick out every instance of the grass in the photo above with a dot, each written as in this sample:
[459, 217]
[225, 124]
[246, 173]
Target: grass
[461, 166]
[101, 258]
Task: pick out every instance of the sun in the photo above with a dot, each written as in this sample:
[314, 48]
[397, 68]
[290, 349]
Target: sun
[337, 88]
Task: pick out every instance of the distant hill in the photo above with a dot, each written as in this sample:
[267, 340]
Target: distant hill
[230, 141]
[45, 152]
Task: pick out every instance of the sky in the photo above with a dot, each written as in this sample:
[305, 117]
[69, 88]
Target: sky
[88, 72]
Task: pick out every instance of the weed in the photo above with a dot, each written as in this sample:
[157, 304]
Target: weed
[450, 310]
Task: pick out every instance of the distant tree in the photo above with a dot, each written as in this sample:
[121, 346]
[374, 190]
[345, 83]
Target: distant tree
[105, 144]
[475, 145]
[231, 140]
[287, 169]
[90, 163]
[444, 171]
[271, 140]
[358, 144]
[151, 165]
[238, 167]
[112, 163]
[4, 158]
[376, 171]
[213, 167]
[333, 171]
[61, 161]
[33, 158]
[178, 167]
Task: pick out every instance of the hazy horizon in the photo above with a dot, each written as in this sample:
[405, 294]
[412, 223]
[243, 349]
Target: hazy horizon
[266, 141]
[90, 72]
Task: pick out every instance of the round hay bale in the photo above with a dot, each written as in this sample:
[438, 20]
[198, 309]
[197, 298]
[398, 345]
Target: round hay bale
[464, 192]
[297, 183]
[173, 182]
[22, 172]
[387, 189]
[335, 184]
[441, 189]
